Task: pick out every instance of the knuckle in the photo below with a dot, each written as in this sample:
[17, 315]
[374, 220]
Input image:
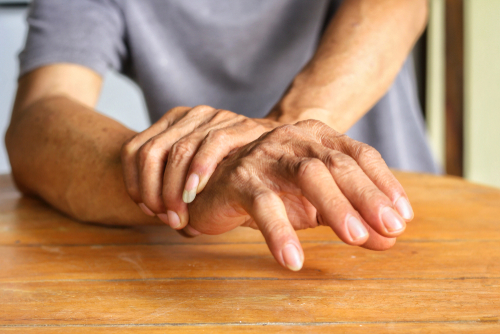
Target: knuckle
[287, 134]
[373, 197]
[338, 141]
[341, 164]
[278, 229]
[240, 174]
[222, 115]
[128, 148]
[286, 129]
[202, 165]
[261, 198]
[245, 121]
[155, 142]
[282, 133]
[218, 136]
[367, 152]
[146, 153]
[152, 152]
[180, 151]
[225, 112]
[201, 108]
[266, 148]
[308, 167]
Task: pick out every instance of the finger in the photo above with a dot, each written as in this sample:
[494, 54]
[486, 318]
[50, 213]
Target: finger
[269, 213]
[319, 188]
[152, 158]
[250, 223]
[129, 152]
[374, 166]
[369, 159]
[174, 175]
[175, 198]
[373, 205]
[189, 232]
[376, 241]
[301, 213]
[217, 144]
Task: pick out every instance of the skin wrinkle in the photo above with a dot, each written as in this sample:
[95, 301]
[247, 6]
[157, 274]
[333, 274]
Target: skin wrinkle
[361, 51]
[254, 150]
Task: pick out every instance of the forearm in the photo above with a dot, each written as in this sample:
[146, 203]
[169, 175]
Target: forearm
[69, 155]
[357, 60]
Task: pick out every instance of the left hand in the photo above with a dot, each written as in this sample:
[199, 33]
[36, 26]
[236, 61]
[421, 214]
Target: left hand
[163, 186]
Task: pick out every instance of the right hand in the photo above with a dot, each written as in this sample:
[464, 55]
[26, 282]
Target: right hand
[300, 176]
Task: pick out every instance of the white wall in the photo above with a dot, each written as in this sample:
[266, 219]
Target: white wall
[481, 87]
[120, 99]
[435, 90]
[482, 91]
[12, 31]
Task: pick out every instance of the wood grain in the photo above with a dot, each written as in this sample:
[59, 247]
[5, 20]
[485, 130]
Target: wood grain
[322, 262]
[225, 301]
[445, 202]
[443, 275]
[480, 327]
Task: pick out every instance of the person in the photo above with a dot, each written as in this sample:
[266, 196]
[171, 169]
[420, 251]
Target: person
[273, 86]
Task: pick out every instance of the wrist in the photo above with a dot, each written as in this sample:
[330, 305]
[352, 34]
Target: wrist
[286, 112]
[308, 98]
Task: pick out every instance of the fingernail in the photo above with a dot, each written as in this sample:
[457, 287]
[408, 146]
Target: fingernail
[173, 219]
[146, 210]
[164, 218]
[392, 220]
[356, 228]
[189, 193]
[292, 258]
[404, 208]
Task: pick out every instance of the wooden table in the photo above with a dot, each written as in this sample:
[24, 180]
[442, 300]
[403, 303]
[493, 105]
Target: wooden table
[443, 275]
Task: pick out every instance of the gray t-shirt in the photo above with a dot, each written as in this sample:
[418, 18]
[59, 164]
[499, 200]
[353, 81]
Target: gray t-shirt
[238, 55]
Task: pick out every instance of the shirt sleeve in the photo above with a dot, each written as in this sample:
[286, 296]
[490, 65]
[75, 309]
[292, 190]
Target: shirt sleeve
[84, 32]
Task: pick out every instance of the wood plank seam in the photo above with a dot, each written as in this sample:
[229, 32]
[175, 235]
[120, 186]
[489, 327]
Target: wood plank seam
[323, 323]
[167, 279]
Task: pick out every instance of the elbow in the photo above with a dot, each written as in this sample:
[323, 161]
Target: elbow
[9, 138]
[12, 140]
